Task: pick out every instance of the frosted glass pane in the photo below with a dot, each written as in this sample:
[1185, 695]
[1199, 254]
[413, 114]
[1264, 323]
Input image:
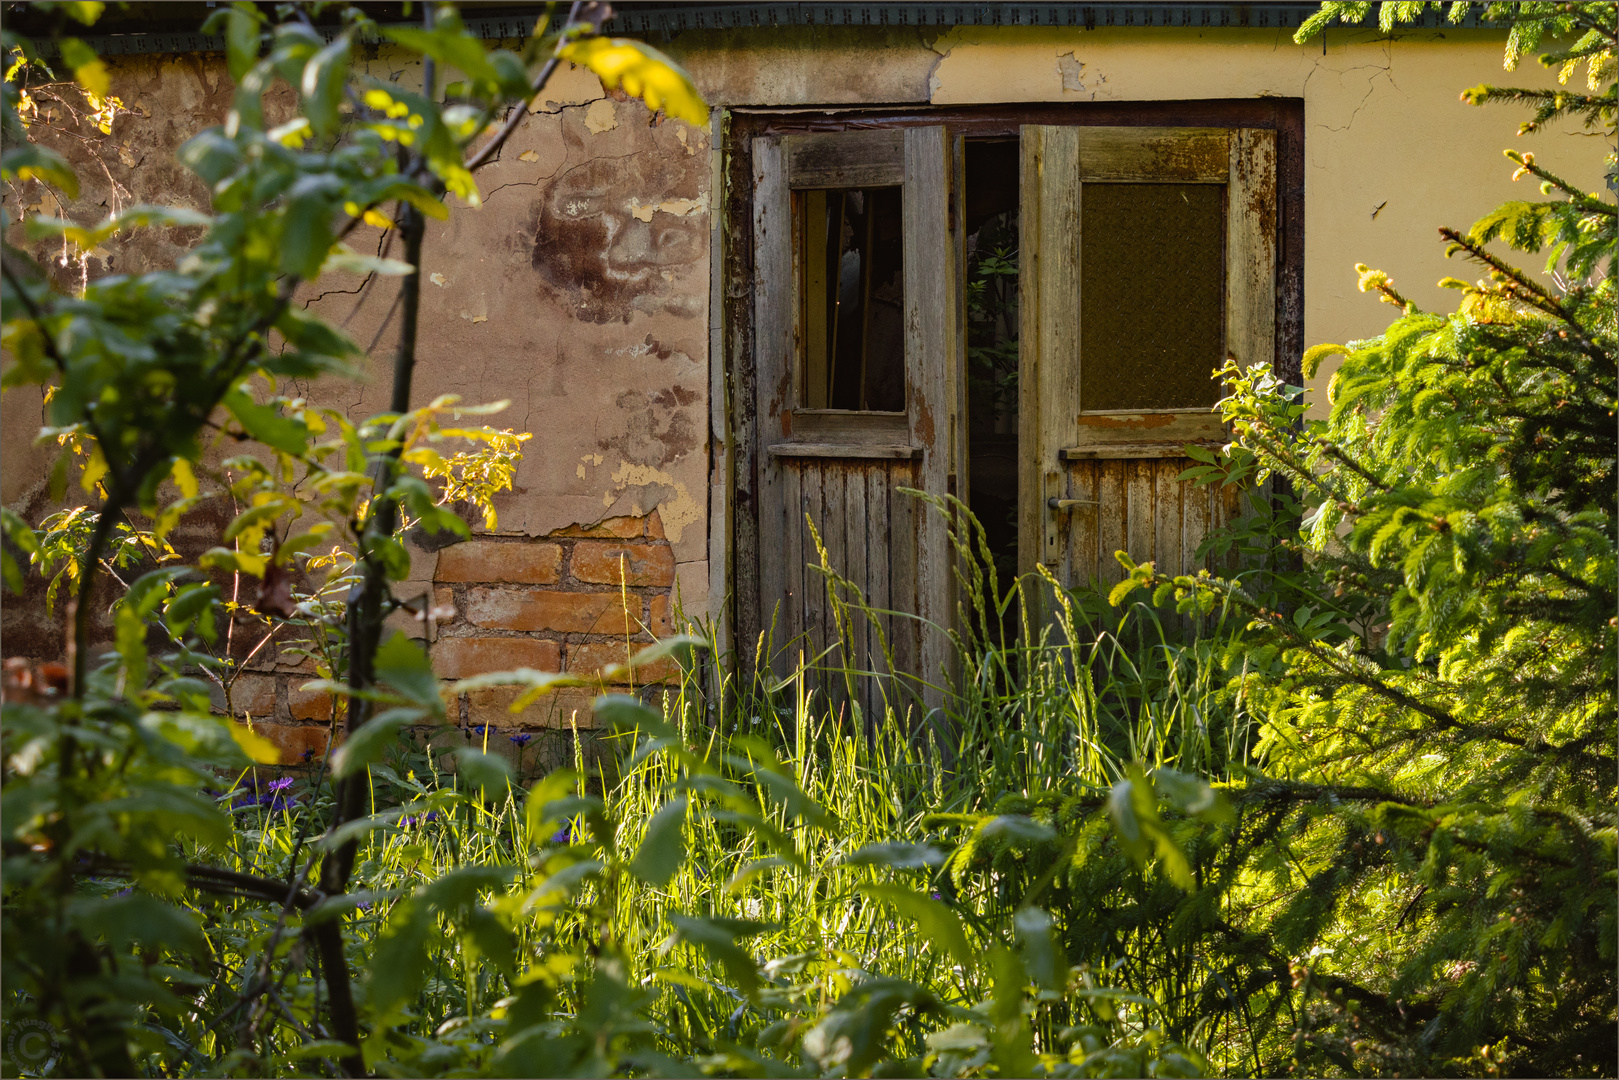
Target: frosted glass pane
[1152, 285]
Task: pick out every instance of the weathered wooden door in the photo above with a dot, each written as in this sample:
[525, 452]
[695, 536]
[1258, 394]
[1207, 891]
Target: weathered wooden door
[855, 321]
[1148, 259]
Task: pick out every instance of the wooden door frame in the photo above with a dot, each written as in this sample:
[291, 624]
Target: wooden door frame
[745, 456]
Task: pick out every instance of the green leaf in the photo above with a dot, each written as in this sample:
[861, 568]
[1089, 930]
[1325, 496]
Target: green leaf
[372, 740]
[484, 773]
[895, 855]
[1017, 829]
[622, 712]
[718, 941]
[399, 959]
[556, 785]
[138, 919]
[306, 230]
[459, 889]
[266, 424]
[1042, 954]
[403, 665]
[353, 830]
[936, 921]
[343, 259]
[325, 75]
[664, 848]
[679, 646]
[242, 38]
[1133, 805]
[34, 162]
[88, 68]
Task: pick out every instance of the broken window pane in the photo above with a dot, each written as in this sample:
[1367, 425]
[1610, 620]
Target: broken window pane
[852, 325]
[1151, 299]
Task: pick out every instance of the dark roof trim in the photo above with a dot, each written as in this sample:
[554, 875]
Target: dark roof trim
[665, 20]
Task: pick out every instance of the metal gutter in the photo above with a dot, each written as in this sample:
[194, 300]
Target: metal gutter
[665, 20]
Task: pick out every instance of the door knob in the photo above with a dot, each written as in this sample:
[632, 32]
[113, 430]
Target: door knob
[1068, 504]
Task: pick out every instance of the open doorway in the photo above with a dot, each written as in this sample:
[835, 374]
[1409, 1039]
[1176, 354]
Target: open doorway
[991, 196]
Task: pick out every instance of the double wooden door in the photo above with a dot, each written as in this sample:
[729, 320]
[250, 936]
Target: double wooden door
[1147, 259]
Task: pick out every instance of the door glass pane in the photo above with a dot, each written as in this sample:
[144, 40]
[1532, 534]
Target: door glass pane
[1151, 295]
[852, 324]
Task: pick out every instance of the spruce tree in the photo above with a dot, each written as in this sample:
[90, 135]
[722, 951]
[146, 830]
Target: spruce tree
[1421, 873]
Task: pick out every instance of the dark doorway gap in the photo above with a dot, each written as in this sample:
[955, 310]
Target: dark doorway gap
[991, 197]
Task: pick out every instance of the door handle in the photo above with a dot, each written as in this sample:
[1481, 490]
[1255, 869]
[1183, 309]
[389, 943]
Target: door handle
[1068, 504]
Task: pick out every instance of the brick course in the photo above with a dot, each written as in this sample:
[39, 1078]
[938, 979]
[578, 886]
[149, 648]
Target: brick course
[563, 612]
[461, 657]
[487, 560]
[634, 564]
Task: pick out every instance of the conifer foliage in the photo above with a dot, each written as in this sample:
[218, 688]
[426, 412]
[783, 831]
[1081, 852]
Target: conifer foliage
[1427, 850]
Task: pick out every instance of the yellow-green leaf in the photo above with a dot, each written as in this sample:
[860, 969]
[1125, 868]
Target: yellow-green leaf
[253, 744]
[641, 71]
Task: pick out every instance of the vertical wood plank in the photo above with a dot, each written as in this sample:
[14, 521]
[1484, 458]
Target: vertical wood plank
[879, 554]
[1082, 536]
[856, 521]
[1140, 520]
[1167, 533]
[1195, 525]
[834, 514]
[930, 360]
[773, 344]
[902, 540]
[1112, 520]
[1251, 227]
[790, 620]
[814, 585]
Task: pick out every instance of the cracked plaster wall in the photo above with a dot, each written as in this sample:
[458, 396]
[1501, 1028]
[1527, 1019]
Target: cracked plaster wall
[578, 291]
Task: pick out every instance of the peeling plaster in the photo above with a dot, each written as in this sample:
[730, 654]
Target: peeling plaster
[1075, 77]
[677, 207]
[677, 511]
[601, 116]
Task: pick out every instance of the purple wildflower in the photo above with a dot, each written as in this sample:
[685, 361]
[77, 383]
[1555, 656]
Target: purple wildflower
[521, 740]
[563, 835]
[363, 905]
[281, 785]
[479, 729]
[126, 890]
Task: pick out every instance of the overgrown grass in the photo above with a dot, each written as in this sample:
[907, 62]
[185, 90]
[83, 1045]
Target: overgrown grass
[1044, 723]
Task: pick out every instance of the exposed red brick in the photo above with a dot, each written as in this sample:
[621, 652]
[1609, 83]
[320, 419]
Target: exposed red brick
[654, 525]
[552, 710]
[253, 695]
[662, 622]
[590, 658]
[444, 602]
[644, 564]
[523, 563]
[460, 657]
[308, 704]
[493, 706]
[293, 740]
[620, 527]
[562, 612]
